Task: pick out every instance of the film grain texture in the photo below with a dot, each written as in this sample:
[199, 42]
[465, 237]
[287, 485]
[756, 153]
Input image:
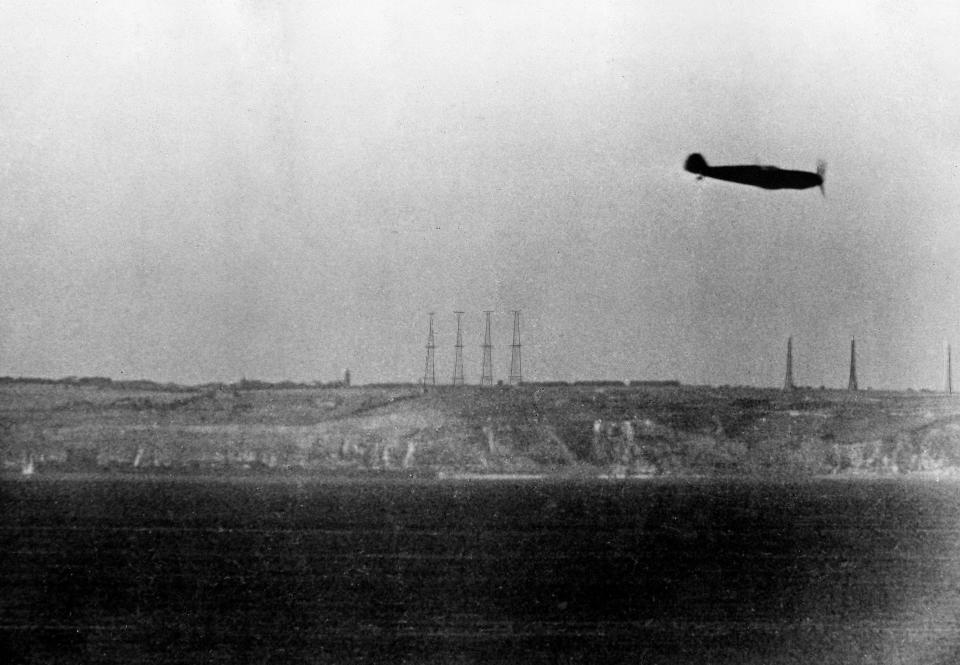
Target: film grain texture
[202, 570]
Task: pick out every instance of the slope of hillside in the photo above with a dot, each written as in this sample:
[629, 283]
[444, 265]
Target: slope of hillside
[559, 430]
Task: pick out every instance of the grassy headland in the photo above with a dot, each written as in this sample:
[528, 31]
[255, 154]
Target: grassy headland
[561, 430]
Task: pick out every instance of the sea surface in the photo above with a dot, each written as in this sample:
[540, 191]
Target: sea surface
[133, 569]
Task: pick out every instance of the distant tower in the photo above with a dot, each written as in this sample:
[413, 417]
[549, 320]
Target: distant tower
[788, 381]
[429, 374]
[948, 387]
[852, 384]
[516, 366]
[458, 356]
[486, 373]
[346, 379]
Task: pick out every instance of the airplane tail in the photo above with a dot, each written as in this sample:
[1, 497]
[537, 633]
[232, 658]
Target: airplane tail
[822, 172]
[696, 163]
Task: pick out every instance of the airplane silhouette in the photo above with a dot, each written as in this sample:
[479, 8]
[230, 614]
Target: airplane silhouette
[767, 177]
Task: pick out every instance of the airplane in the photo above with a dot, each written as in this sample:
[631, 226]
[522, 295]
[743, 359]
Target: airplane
[767, 177]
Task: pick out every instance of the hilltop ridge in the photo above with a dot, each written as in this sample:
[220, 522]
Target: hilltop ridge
[558, 430]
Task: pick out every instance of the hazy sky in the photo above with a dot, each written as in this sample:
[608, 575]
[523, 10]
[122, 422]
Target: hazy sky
[281, 190]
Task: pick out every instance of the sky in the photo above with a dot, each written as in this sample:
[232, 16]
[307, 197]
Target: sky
[196, 192]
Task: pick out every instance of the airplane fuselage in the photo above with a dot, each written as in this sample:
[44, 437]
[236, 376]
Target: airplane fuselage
[767, 177]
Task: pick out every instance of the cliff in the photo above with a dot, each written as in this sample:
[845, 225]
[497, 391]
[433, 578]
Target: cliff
[563, 430]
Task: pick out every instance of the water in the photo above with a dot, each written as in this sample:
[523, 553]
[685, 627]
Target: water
[260, 570]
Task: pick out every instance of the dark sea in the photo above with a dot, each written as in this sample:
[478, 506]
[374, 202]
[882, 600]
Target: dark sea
[132, 569]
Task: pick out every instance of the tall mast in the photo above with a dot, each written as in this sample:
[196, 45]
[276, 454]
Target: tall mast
[458, 355]
[788, 380]
[516, 365]
[852, 383]
[429, 372]
[486, 372]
